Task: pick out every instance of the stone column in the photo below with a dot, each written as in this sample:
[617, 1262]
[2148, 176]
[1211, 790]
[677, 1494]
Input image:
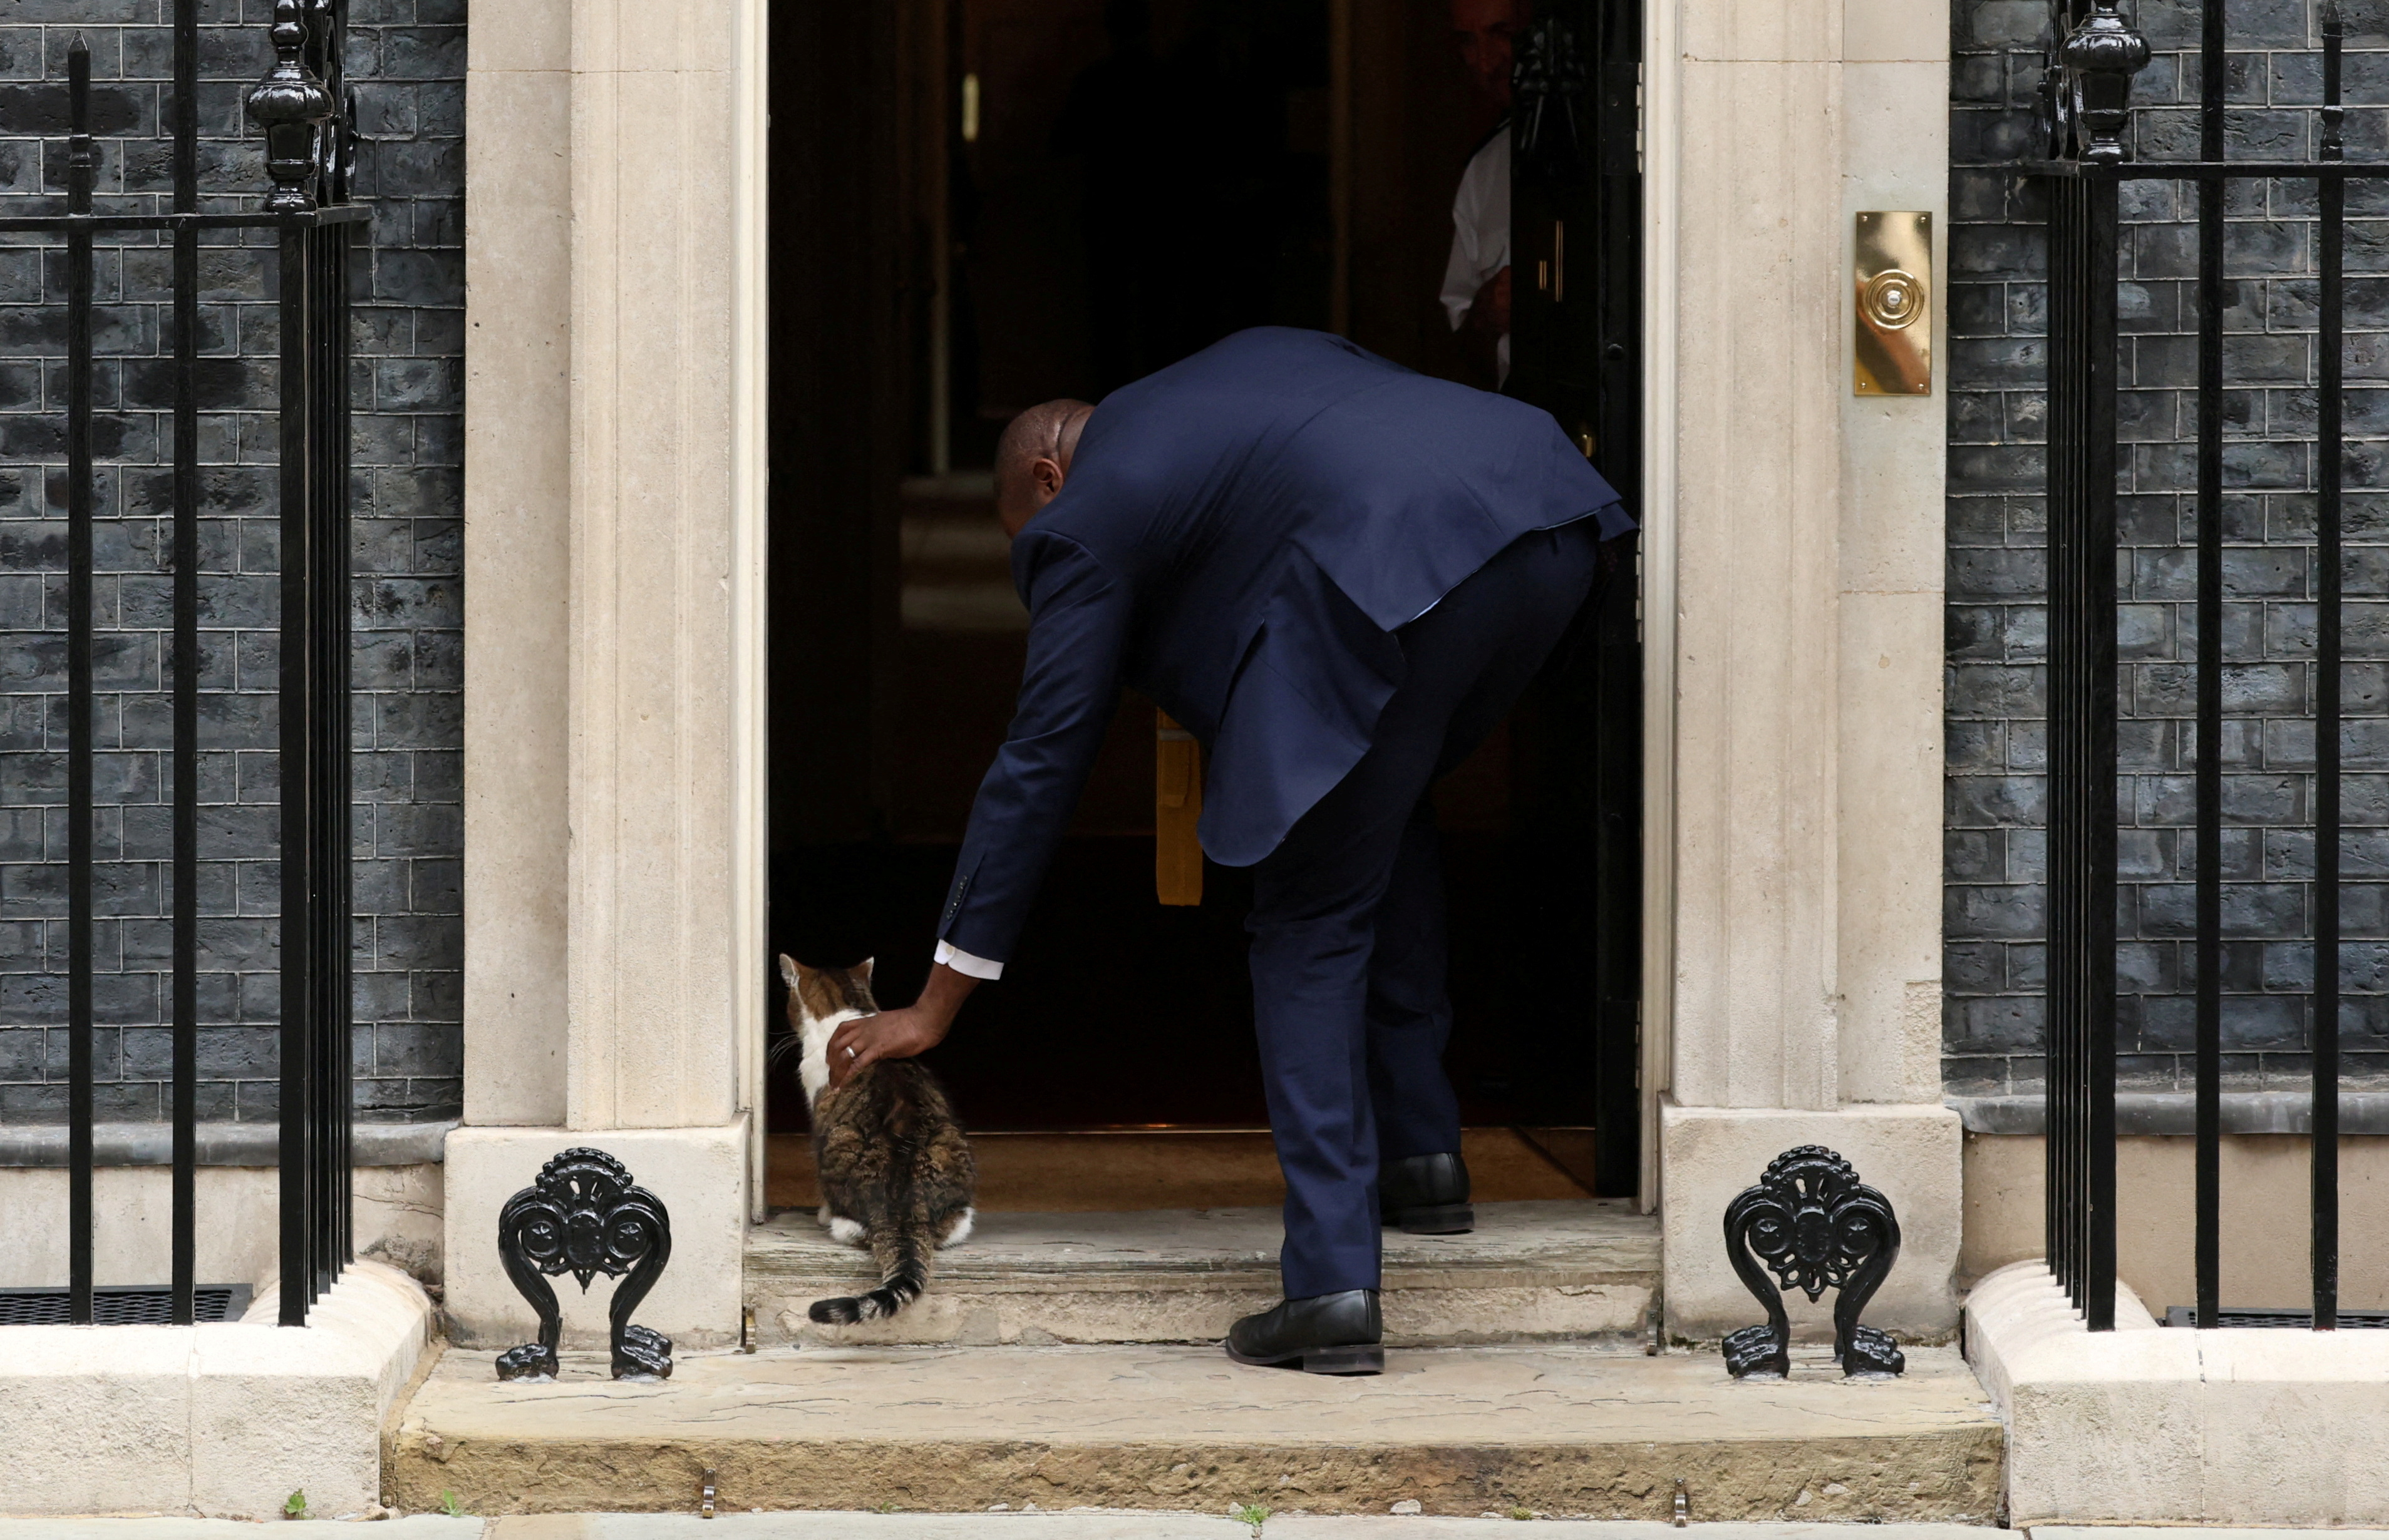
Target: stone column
[1804, 986]
[605, 945]
[518, 557]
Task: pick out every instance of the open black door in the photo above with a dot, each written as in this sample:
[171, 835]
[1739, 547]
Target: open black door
[1576, 220]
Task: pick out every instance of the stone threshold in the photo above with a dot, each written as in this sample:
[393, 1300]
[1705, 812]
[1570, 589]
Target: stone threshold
[1551, 1271]
[1554, 1430]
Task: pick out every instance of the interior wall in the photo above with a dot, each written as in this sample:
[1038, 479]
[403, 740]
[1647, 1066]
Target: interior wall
[834, 141]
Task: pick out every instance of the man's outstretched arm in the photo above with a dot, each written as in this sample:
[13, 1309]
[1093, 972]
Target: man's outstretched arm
[1069, 692]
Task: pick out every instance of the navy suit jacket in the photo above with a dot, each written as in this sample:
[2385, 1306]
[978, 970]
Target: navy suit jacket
[1239, 537]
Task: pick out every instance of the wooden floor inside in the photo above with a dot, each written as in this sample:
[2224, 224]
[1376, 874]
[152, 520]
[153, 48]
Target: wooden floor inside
[1114, 1170]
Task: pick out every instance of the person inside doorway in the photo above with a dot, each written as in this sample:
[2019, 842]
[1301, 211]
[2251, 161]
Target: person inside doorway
[1339, 575]
[1476, 280]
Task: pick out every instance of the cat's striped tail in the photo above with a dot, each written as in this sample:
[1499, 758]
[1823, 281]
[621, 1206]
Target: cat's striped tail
[908, 1274]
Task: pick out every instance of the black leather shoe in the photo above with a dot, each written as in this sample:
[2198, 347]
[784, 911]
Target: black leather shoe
[1324, 1334]
[1426, 1194]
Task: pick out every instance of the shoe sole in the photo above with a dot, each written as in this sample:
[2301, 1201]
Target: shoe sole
[1439, 1219]
[1358, 1359]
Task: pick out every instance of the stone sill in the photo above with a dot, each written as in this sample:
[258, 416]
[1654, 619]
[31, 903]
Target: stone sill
[223, 1420]
[2361, 1112]
[220, 1144]
[2146, 1424]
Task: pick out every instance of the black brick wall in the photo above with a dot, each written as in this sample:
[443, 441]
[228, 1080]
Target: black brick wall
[1996, 850]
[407, 58]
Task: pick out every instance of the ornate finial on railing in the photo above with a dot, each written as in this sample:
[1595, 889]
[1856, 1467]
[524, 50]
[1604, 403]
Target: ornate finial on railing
[291, 105]
[1817, 1227]
[2098, 60]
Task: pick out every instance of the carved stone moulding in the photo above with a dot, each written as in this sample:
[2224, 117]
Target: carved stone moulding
[584, 1217]
[1812, 1222]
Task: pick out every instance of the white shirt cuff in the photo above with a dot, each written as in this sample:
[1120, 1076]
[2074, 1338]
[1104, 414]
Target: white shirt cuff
[963, 962]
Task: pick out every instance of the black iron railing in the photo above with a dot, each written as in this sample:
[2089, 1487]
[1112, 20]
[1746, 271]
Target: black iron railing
[2085, 103]
[301, 107]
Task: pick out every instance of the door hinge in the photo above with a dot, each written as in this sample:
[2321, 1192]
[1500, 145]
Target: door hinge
[1638, 117]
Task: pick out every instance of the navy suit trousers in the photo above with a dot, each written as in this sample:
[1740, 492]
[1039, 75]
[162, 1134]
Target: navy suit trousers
[1348, 923]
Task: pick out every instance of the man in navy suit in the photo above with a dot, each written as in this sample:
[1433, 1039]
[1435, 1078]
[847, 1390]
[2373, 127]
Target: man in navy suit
[1339, 575]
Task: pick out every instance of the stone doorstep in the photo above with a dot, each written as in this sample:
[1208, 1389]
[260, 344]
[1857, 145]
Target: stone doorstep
[1546, 1271]
[1563, 1431]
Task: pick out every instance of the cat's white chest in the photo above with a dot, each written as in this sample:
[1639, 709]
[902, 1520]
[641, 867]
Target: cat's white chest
[812, 1070]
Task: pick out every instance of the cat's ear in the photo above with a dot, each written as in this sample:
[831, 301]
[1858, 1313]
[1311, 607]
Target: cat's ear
[788, 972]
[862, 968]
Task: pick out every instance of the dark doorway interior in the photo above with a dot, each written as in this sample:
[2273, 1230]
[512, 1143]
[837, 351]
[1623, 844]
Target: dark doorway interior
[980, 204]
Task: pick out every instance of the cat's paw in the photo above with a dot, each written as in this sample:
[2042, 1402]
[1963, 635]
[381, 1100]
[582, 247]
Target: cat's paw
[845, 1231]
[959, 1231]
[823, 1216]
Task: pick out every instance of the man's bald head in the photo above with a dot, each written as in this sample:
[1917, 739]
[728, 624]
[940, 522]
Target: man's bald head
[1032, 458]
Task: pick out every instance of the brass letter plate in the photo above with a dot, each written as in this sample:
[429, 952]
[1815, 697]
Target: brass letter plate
[1892, 269]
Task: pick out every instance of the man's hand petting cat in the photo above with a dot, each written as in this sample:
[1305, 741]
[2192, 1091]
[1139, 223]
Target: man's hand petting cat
[890, 1034]
[917, 1028]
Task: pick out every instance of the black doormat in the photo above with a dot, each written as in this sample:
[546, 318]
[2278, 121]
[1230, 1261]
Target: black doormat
[138, 1304]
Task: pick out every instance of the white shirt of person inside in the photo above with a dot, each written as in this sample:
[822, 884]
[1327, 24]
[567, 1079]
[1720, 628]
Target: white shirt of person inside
[1480, 236]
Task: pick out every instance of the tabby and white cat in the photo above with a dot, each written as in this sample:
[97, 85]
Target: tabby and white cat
[896, 1171]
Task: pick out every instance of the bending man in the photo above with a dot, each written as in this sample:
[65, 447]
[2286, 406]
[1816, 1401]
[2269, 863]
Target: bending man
[1339, 575]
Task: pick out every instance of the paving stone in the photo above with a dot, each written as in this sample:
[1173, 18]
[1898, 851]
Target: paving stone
[1323, 1527]
[875, 1526]
[1085, 1525]
[2149, 1531]
[413, 1527]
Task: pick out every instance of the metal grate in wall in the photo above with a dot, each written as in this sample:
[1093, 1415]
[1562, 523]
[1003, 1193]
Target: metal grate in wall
[137, 1304]
[2186, 1316]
